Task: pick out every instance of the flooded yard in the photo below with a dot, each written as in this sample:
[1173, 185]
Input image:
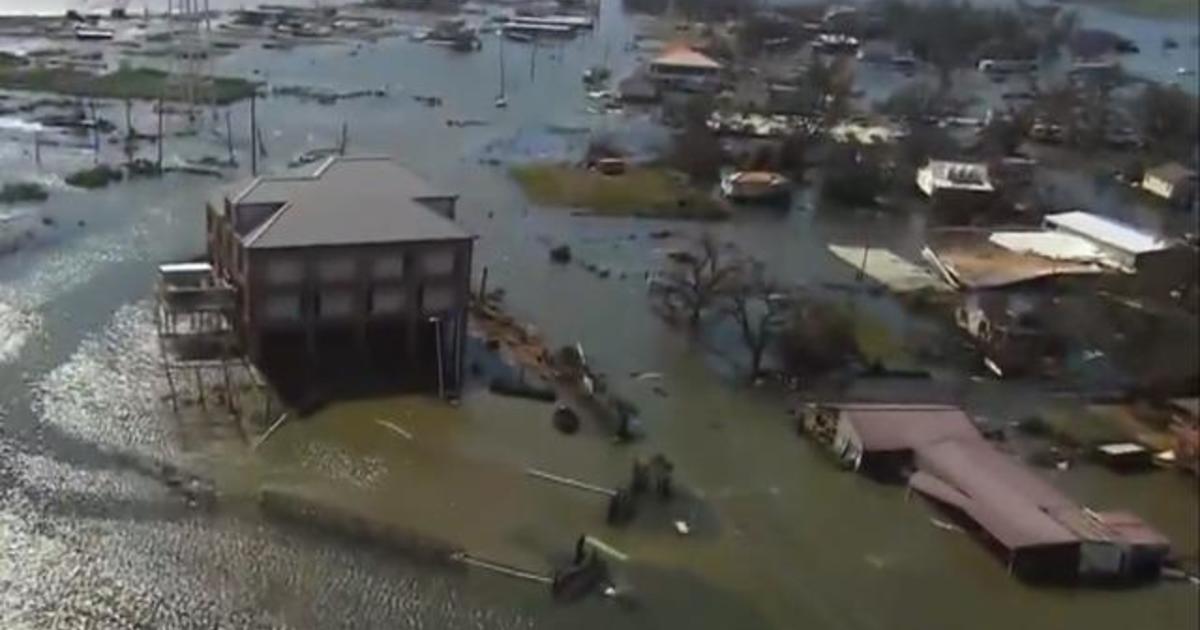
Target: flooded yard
[780, 536]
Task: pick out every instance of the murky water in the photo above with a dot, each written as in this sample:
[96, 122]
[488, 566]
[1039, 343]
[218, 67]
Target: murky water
[781, 539]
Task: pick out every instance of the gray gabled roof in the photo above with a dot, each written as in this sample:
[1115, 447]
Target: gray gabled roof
[348, 201]
[1173, 172]
[892, 427]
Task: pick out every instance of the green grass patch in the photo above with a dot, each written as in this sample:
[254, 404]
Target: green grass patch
[1082, 426]
[17, 192]
[640, 191]
[125, 83]
[96, 177]
[876, 342]
[9, 61]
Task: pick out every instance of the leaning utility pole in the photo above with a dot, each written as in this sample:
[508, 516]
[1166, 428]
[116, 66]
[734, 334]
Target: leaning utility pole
[253, 136]
[229, 135]
[160, 133]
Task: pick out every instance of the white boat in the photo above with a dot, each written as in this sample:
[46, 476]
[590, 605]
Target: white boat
[568, 21]
[755, 186]
[93, 33]
[515, 30]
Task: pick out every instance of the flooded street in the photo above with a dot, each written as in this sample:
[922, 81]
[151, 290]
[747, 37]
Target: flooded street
[781, 537]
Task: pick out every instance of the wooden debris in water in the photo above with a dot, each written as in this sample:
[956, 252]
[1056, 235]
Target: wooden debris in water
[278, 423]
[394, 428]
[573, 483]
[502, 569]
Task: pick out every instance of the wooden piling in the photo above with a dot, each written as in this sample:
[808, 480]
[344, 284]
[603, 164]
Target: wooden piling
[200, 388]
[229, 136]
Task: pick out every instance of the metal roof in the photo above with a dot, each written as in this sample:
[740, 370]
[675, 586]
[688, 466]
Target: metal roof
[1051, 244]
[891, 427]
[348, 201]
[1173, 172]
[941, 174]
[1014, 504]
[969, 259]
[997, 492]
[1107, 231]
[682, 56]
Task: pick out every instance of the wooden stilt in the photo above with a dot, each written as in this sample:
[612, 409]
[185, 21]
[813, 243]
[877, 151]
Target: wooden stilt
[171, 384]
[200, 387]
[228, 385]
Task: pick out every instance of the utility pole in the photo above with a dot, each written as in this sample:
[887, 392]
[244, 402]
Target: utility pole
[160, 133]
[253, 136]
[344, 139]
[532, 58]
[95, 133]
[37, 148]
[229, 135]
[862, 268]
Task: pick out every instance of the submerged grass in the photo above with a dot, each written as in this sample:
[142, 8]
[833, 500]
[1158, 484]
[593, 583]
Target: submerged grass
[17, 192]
[96, 177]
[125, 83]
[640, 191]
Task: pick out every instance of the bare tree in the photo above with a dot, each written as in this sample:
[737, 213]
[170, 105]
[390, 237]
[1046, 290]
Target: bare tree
[759, 308]
[817, 338]
[697, 277]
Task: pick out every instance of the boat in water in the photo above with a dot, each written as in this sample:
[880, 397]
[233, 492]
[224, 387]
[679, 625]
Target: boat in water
[454, 33]
[93, 33]
[756, 187]
[518, 36]
[596, 75]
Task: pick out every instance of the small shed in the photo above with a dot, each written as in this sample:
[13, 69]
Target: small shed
[879, 439]
[1172, 182]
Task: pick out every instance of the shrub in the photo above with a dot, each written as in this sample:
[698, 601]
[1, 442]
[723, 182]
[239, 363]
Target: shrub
[96, 177]
[17, 192]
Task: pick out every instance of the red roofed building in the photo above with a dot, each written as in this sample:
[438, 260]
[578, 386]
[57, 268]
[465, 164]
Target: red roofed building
[682, 68]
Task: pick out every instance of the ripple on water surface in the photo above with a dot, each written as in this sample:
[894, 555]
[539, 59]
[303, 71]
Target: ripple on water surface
[90, 544]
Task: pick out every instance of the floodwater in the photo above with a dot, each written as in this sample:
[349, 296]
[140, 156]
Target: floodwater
[781, 538]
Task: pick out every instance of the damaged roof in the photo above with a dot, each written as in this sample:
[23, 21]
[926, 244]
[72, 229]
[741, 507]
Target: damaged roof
[1014, 504]
[891, 427]
[1001, 495]
[969, 259]
[1107, 231]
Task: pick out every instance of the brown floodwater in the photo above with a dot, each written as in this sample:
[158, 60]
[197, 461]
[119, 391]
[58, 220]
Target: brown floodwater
[781, 537]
